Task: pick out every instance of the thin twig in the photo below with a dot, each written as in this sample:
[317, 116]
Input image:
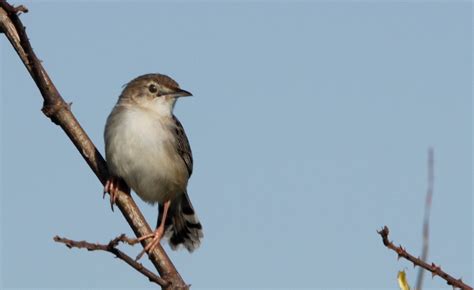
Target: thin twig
[20, 9]
[433, 268]
[111, 247]
[426, 219]
[55, 108]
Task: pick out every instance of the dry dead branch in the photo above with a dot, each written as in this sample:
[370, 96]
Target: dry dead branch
[55, 108]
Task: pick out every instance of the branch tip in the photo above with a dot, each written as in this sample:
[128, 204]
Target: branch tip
[20, 9]
[433, 268]
[111, 247]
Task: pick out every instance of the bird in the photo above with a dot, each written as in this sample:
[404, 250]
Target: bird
[147, 148]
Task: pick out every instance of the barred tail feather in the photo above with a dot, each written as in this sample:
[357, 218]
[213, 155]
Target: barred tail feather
[182, 226]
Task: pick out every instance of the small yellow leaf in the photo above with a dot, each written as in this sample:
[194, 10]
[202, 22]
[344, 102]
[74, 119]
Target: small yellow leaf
[402, 281]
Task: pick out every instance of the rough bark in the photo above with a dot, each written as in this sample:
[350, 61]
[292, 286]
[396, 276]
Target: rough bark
[55, 108]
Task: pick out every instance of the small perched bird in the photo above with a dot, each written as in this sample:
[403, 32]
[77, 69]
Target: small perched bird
[145, 146]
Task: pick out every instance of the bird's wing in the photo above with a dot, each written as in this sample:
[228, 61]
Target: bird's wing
[182, 145]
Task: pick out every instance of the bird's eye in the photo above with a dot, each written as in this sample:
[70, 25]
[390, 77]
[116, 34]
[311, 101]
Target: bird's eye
[152, 88]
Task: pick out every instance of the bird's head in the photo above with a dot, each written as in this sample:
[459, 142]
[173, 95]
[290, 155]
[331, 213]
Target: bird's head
[153, 91]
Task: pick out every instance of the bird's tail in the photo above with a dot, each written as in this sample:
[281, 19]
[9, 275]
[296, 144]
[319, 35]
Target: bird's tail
[182, 226]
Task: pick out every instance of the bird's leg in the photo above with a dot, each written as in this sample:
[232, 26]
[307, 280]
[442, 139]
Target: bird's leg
[157, 234]
[112, 186]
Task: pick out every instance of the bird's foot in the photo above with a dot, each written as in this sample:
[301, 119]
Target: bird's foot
[157, 235]
[112, 187]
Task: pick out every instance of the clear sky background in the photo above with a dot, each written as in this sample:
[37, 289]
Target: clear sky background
[310, 127]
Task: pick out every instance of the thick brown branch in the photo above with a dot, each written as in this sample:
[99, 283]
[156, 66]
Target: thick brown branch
[433, 268]
[59, 112]
[111, 247]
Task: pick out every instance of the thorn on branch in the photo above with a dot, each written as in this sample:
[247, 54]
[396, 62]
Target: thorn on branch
[433, 268]
[401, 252]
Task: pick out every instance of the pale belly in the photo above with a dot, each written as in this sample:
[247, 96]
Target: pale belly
[143, 154]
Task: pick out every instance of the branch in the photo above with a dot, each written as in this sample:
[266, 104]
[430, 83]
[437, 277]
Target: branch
[55, 108]
[426, 219]
[433, 268]
[111, 247]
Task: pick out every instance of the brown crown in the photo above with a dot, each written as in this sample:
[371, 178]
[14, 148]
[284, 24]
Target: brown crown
[159, 78]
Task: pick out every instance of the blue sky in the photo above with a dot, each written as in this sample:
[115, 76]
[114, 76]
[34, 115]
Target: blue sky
[310, 127]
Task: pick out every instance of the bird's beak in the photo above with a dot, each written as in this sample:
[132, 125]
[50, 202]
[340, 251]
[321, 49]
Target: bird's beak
[180, 93]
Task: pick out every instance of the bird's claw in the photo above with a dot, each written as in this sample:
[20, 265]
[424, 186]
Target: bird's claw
[157, 235]
[111, 186]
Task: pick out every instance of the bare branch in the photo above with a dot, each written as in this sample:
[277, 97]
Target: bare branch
[20, 9]
[433, 268]
[111, 247]
[426, 219]
[55, 108]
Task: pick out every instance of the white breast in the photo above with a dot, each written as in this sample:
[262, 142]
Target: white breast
[140, 149]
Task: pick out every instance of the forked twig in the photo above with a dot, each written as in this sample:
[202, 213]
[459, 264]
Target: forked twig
[111, 247]
[55, 108]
